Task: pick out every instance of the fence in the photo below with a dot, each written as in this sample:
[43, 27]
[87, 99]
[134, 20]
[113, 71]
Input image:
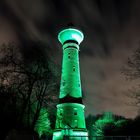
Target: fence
[32, 137]
[25, 137]
[101, 137]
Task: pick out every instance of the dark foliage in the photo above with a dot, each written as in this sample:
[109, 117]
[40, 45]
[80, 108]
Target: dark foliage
[127, 127]
[28, 82]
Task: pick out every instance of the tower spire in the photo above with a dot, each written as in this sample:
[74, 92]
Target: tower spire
[70, 110]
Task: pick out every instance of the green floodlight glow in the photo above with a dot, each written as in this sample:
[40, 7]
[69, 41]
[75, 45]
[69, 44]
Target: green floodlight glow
[70, 34]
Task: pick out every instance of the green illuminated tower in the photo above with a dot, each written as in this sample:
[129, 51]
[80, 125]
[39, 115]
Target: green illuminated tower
[70, 118]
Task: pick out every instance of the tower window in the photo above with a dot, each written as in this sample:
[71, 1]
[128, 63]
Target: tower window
[79, 84]
[63, 83]
[61, 112]
[69, 55]
[73, 68]
[76, 123]
[75, 113]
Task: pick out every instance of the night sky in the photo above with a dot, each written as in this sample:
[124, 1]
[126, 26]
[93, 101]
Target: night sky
[111, 29]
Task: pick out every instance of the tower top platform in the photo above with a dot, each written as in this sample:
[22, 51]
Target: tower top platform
[70, 34]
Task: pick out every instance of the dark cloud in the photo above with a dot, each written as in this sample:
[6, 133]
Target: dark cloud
[111, 29]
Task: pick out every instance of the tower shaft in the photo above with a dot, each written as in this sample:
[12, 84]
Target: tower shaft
[70, 79]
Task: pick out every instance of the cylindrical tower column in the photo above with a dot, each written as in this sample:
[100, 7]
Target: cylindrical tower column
[70, 110]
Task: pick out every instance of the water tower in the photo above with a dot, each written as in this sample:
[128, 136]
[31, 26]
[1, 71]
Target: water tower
[70, 118]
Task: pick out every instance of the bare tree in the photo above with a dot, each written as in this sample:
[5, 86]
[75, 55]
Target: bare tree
[30, 78]
[131, 70]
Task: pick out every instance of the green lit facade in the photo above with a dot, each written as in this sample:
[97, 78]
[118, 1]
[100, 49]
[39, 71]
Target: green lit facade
[70, 118]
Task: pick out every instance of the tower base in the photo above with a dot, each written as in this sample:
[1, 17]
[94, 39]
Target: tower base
[76, 134]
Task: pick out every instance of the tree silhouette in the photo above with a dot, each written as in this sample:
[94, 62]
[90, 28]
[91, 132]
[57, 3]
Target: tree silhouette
[131, 70]
[28, 81]
[106, 124]
[42, 125]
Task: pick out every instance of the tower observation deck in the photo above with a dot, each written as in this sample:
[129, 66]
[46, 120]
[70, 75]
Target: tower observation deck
[70, 118]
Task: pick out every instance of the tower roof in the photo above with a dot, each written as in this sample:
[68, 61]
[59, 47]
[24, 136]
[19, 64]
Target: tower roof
[70, 34]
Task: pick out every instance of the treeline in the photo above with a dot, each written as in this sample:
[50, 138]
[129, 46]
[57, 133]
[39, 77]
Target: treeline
[108, 124]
